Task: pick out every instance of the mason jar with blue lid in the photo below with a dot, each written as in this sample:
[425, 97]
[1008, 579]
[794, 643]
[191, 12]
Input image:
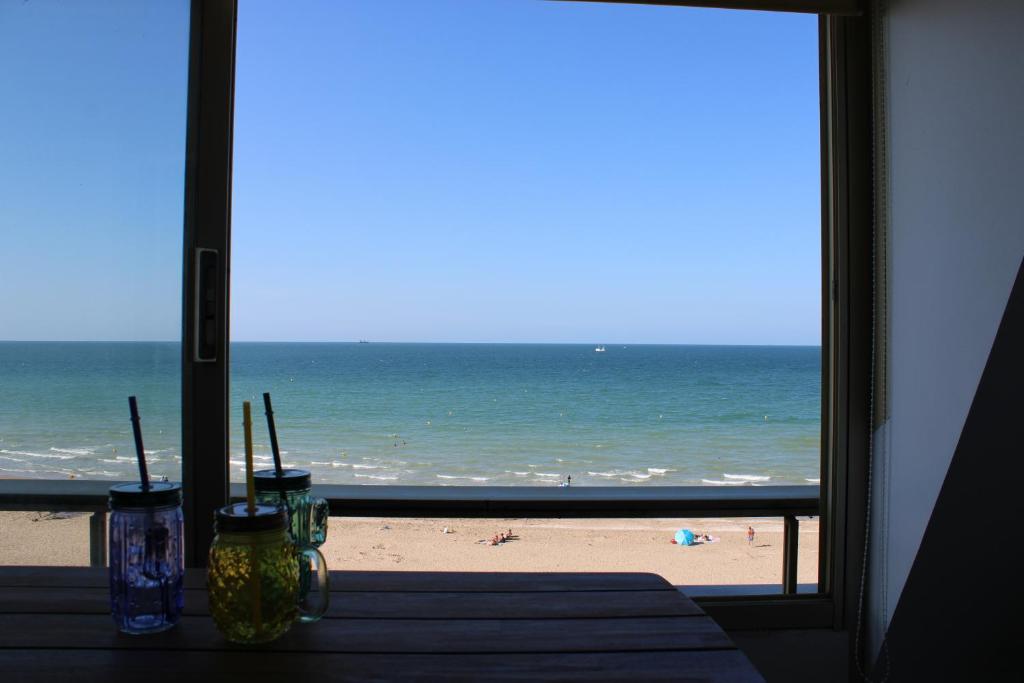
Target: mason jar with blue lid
[147, 566]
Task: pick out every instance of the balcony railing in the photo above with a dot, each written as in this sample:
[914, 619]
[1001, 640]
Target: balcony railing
[787, 502]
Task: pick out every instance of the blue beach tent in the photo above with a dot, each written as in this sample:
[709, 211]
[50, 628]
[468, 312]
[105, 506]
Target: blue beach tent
[684, 537]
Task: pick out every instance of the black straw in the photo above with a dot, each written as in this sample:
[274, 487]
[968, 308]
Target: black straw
[273, 434]
[140, 453]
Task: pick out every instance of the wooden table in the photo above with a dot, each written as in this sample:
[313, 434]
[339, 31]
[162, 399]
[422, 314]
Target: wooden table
[55, 625]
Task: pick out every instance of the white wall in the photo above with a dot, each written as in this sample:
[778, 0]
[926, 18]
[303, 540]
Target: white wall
[955, 105]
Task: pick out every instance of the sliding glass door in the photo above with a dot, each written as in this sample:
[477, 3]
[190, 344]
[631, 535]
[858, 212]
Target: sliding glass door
[93, 140]
[92, 130]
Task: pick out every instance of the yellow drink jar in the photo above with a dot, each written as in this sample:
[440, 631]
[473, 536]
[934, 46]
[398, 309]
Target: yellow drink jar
[253, 576]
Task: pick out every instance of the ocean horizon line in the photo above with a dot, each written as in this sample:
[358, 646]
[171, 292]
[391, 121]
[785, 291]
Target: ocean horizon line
[431, 343]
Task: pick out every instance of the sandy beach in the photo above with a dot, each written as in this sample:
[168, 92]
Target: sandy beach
[28, 538]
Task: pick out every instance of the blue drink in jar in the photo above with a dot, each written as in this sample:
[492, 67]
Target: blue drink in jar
[147, 566]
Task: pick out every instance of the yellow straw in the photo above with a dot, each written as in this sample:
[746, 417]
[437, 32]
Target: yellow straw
[250, 483]
[257, 592]
[250, 500]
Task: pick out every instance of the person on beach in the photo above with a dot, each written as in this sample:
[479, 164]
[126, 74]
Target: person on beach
[750, 535]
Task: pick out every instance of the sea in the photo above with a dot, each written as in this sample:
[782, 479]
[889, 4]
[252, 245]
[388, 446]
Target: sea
[432, 414]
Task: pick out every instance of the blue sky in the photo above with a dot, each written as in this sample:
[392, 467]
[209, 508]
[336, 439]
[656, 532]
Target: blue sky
[454, 170]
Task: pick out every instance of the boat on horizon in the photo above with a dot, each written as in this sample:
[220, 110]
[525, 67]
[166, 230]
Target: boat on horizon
[599, 349]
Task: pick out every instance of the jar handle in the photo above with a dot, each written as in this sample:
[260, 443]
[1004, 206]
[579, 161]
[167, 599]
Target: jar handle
[315, 558]
[321, 510]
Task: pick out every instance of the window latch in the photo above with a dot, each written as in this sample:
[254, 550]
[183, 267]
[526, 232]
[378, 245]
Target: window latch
[206, 320]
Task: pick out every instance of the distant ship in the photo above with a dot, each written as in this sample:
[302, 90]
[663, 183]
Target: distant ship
[599, 349]
[363, 341]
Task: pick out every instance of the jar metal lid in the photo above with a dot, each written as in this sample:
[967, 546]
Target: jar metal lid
[290, 480]
[160, 494]
[236, 518]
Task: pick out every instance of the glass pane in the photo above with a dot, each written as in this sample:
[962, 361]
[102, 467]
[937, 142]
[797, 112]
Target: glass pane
[581, 240]
[91, 197]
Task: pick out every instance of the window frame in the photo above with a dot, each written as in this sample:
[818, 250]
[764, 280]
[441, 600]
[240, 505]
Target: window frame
[847, 243]
[207, 226]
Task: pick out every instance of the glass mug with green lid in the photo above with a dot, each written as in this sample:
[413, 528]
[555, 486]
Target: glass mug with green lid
[307, 514]
[253, 575]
